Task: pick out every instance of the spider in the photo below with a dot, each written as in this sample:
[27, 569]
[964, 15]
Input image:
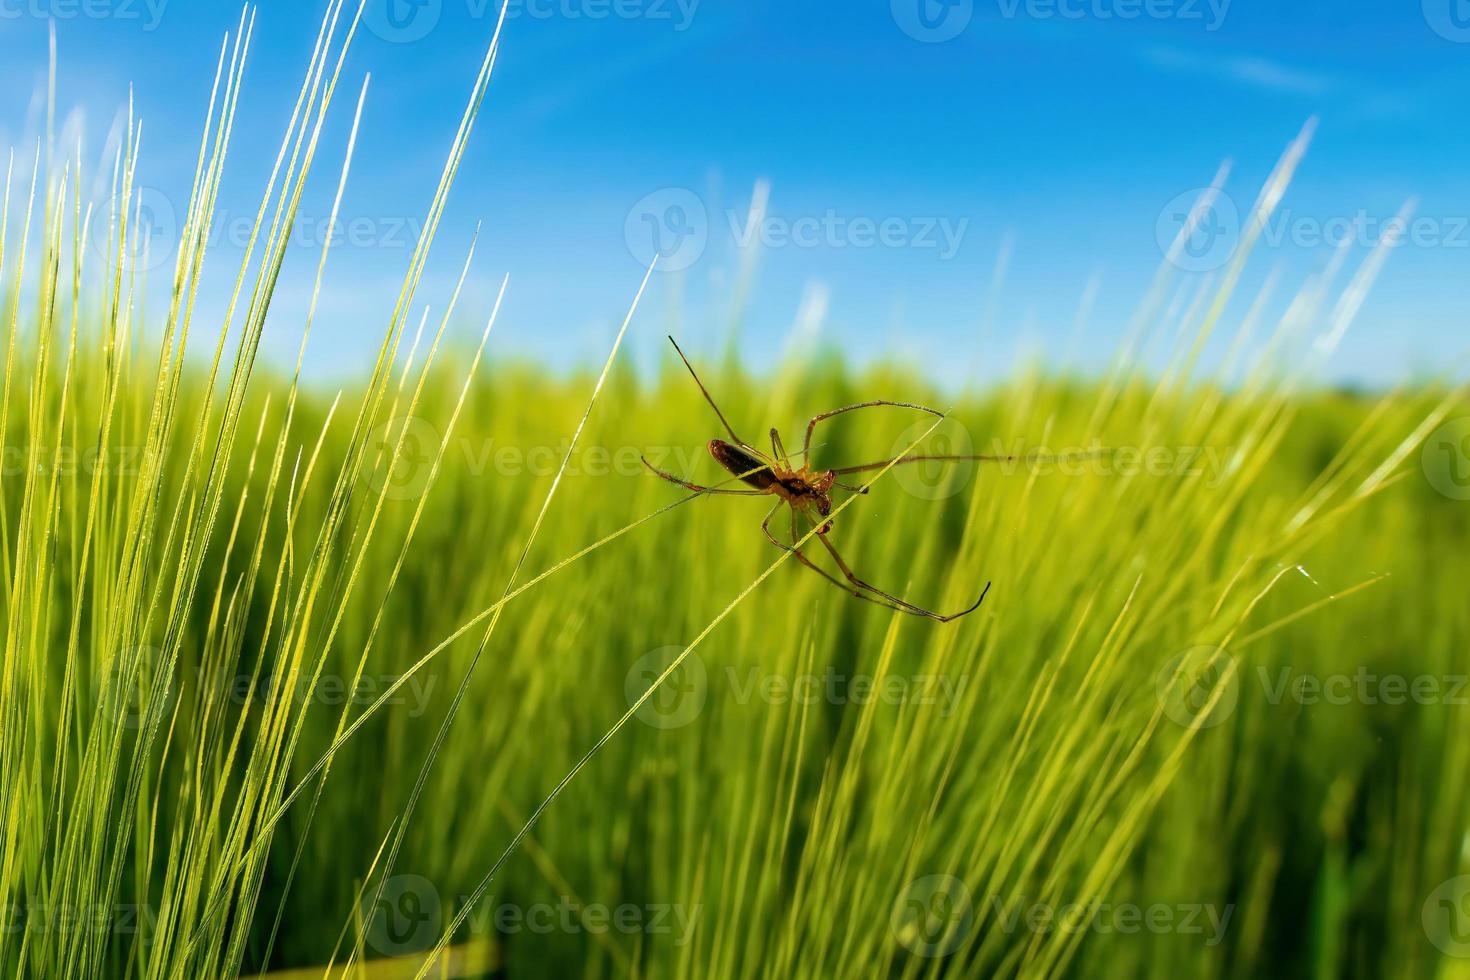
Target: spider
[808, 492]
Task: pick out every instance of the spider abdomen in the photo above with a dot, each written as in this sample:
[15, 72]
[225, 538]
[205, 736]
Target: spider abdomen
[740, 463]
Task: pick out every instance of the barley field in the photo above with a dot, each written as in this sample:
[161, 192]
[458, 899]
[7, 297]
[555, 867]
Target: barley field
[429, 676]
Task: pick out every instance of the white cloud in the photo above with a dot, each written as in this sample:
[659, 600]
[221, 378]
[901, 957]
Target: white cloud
[1251, 70]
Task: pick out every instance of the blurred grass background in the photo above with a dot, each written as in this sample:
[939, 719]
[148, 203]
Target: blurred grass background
[1025, 753]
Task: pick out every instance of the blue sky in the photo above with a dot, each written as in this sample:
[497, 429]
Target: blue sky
[911, 148]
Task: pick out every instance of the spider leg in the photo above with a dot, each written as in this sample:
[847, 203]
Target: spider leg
[778, 449]
[980, 458]
[801, 557]
[811, 426]
[908, 607]
[710, 398]
[695, 486]
[766, 528]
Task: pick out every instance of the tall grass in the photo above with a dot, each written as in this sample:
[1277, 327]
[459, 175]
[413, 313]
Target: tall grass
[238, 610]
